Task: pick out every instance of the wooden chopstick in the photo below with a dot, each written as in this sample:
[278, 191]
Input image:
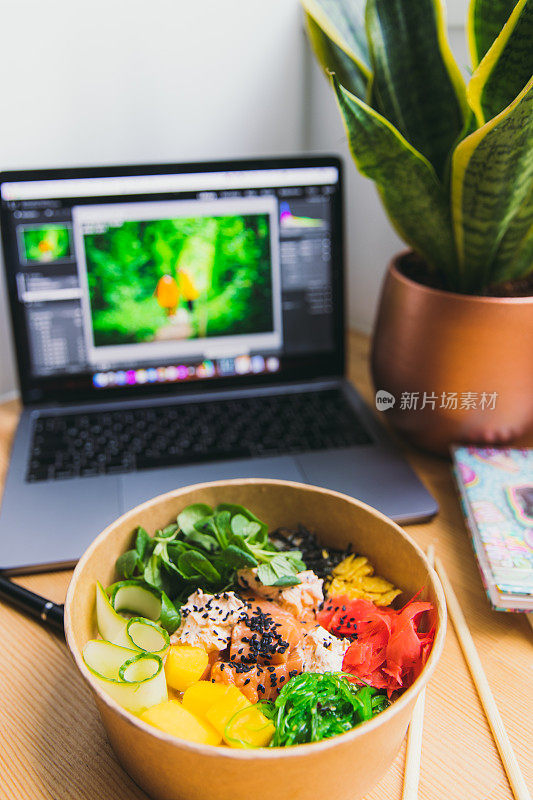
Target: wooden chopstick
[413, 753]
[510, 764]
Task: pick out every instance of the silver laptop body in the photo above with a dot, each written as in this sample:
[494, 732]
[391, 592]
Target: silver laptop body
[176, 324]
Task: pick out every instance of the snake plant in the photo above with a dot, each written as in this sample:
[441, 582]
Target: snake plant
[453, 162]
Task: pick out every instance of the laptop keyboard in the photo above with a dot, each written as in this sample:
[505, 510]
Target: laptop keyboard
[125, 440]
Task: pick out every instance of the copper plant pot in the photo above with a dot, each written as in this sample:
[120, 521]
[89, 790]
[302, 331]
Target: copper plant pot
[429, 344]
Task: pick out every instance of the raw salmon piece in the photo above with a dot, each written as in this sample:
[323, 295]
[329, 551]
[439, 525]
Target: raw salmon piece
[256, 681]
[265, 635]
[265, 651]
[301, 600]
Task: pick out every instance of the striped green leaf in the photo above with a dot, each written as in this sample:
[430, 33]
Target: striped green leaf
[417, 85]
[492, 177]
[413, 196]
[523, 259]
[486, 18]
[514, 256]
[507, 66]
[336, 30]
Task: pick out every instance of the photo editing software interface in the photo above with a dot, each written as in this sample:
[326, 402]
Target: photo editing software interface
[169, 278]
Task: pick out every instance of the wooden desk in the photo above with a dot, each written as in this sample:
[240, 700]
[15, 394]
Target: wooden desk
[53, 745]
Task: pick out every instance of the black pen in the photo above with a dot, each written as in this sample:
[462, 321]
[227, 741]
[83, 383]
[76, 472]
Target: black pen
[51, 614]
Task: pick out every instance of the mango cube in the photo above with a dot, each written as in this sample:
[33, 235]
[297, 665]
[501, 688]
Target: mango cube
[250, 728]
[185, 665]
[170, 717]
[221, 712]
[199, 697]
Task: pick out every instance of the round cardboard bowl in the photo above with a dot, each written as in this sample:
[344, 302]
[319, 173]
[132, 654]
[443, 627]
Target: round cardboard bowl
[342, 768]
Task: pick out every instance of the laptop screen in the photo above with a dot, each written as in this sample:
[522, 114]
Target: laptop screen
[147, 279]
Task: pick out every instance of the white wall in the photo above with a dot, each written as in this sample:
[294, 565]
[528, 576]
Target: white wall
[125, 81]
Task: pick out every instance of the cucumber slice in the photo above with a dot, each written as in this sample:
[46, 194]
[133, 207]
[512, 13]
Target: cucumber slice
[136, 634]
[105, 659]
[135, 681]
[111, 626]
[129, 596]
[146, 635]
[140, 668]
[137, 697]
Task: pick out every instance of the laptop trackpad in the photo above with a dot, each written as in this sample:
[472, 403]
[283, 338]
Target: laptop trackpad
[52, 522]
[137, 487]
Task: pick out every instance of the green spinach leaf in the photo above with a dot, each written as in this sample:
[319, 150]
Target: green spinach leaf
[152, 571]
[128, 563]
[205, 549]
[144, 544]
[194, 564]
[238, 558]
[192, 514]
[245, 527]
[170, 616]
[277, 568]
[168, 533]
[287, 580]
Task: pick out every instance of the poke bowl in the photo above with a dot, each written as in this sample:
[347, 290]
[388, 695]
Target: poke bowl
[346, 635]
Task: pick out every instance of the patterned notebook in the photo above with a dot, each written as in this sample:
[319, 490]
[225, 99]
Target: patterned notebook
[496, 486]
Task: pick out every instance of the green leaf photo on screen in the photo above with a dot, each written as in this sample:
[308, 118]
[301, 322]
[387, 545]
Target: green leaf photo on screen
[179, 279]
[42, 243]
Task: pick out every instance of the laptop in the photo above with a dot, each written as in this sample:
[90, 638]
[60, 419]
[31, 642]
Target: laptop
[176, 324]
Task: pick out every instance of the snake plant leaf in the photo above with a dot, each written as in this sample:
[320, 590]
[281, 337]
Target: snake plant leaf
[414, 198]
[336, 30]
[507, 66]
[514, 257]
[492, 174]
[469, 127]
[523, 259]
[486, 18]
[417, 85]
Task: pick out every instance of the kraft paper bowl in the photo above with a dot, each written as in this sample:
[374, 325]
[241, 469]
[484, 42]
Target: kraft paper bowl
[342, 768]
